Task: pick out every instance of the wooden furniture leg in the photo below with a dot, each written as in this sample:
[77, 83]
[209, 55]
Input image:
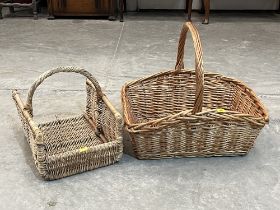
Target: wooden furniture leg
[12, 9]
[202, 9]
[138, 6]
[50, 10]
[206, 4]
[112, 16]
[1, 15]
[35, 11]
[189, 9]
[278, 7]
[121, 8]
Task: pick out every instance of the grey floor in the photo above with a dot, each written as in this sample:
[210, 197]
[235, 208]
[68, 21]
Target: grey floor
[245, 46]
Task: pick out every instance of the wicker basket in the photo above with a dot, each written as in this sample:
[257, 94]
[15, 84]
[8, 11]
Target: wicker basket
[69, 146]
[185, 113]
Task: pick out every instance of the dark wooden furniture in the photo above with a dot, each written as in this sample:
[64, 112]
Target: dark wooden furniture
[206, 9]
[33, 4]
[123, 7]
[82, 8]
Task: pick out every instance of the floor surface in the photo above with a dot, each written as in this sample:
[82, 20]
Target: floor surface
[244, 46]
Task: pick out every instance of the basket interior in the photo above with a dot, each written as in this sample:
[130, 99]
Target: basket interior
[70, 134]
[169, 93]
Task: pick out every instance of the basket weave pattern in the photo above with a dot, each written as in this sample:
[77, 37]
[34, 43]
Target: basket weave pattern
[185, 113]
[69, 146]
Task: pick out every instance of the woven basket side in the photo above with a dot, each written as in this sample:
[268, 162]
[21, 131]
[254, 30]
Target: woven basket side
[217, 93]
[160, 96]
[170, 93]
[30, 137]
[74, 162]
[72, 146]
[111, 126]
[203, 139]
[32, 134]
[245, 101]
[103, 113]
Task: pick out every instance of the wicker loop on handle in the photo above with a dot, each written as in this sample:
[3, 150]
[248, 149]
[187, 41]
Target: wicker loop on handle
[49, 73]
[188, 26]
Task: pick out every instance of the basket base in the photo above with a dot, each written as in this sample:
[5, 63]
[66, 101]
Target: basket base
[157, 157]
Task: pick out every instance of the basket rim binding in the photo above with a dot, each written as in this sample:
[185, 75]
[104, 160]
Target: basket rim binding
[150, 125]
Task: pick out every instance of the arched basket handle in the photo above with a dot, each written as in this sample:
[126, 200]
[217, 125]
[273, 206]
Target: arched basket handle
[188, 26]
[42, 77]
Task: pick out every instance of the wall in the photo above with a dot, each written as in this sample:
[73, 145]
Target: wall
[215, 4]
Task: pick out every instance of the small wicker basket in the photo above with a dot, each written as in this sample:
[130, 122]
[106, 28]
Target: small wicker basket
[185, 113]
[69, 146]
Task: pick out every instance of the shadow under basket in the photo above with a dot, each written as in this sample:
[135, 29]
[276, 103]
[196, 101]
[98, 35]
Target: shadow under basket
[69, 146]
[185, 113]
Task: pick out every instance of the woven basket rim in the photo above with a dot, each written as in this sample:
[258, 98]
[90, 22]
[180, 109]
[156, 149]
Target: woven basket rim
[185, 71]
[45, 123]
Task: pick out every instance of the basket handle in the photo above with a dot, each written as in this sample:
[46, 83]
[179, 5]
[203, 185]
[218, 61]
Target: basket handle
[42, 77]
[188, 26]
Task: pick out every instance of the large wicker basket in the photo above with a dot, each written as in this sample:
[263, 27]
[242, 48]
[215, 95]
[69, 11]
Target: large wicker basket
[69, 146]
[185, 113]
